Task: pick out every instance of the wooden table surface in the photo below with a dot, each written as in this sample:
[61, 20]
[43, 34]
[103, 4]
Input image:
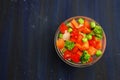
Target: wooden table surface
[27, 29]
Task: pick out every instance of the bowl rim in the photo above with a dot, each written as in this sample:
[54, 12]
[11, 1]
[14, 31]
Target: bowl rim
[78, 64]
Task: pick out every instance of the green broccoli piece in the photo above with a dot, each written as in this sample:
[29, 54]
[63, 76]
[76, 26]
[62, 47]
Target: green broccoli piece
[85, 57]
[98, 32]
[69, 45]
[99, 36]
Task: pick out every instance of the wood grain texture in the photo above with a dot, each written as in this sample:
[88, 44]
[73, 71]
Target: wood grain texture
[27, 29]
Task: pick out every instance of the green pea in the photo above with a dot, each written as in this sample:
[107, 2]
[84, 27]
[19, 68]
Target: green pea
[68, 24]
[89, 37]
[70, 30]
[60, 35]
[81, 20]
[92, 24]
[98, 53]
[84, 39]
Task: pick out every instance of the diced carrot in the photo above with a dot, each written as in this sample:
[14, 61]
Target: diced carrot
[80, 53]
[79, 40]
[83, 46]
[98, 44]
[91, 50]
[81, 28]
[79, 46]
[95, 43]
[74, 22]
[60, 43]
[87, 24]
[85, 30]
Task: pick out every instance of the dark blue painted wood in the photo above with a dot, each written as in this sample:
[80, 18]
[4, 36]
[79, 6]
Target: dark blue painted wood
[27, 29]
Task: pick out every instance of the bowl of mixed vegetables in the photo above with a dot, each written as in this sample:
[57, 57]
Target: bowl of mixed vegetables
[80, 41]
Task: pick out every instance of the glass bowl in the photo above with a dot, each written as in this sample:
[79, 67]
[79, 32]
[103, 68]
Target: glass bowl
[80, 65]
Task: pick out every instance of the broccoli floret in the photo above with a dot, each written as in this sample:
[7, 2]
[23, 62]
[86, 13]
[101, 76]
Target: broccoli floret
[85, 57]
[69, 45]
[98, 32]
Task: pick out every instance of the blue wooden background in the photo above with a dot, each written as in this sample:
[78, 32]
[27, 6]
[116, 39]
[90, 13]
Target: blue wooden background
[27, 29]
